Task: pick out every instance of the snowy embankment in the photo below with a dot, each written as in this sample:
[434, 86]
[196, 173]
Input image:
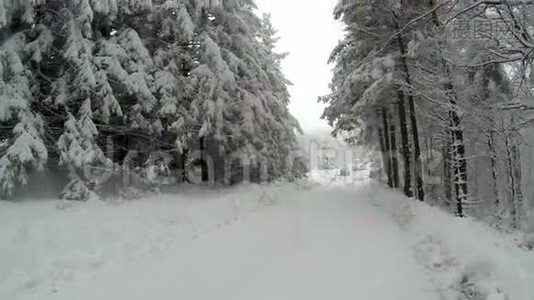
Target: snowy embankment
[464, 258]
[45, 244]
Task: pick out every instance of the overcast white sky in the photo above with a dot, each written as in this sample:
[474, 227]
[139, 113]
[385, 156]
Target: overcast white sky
[309, 32]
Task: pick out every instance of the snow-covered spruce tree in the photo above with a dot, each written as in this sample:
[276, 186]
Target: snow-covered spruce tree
[174, 51]
[369, 85]
[150, 78]
[16, 15]
[196, 51]
[283, 128]
[70, 89]
[21, 143]
[214, 86]
[236, 131]
[126, 60]
[77, 146]
[273, 119]
[242, 104]
[79, 153]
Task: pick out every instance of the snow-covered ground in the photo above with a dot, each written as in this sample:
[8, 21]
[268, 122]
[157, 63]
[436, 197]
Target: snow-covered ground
[464, 259]
[328, 238]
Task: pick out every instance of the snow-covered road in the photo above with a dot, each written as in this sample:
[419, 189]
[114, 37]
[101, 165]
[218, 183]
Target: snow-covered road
[325, 243]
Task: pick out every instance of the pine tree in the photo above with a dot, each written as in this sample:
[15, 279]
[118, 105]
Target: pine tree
[366, 80]
[70, 82]
[79, 153]
[152, 78]
[22, 146]
[283, 127]
[257, 95]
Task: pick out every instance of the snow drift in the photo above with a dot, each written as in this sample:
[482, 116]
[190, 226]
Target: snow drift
[465, 258]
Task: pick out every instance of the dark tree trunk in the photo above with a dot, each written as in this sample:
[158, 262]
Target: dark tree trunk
[388, 146]
[459, 162]
[385, 159]
[394, 159]
[516, 158]
[513, 159]
[458, 152]
[512, 183]
[493, 158]
[405, 147]
[447, 178]
[203, 162]
[183, 166]
[418, 168]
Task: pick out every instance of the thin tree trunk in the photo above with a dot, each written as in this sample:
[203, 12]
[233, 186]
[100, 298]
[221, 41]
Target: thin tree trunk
[203, 162]
[458, 150]
[428, 144]
[183, 162]
[405, 147]
[394, 159]
[418, 171]
[519, 204]
[511, 187]
[447, 178]
[388, 146]
[516, 200]
[456, 130]
[419, 185]
[493, 156]
[385, 160]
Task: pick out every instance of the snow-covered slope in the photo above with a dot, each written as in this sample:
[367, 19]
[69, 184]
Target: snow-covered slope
[464, 258]
[326, 240]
